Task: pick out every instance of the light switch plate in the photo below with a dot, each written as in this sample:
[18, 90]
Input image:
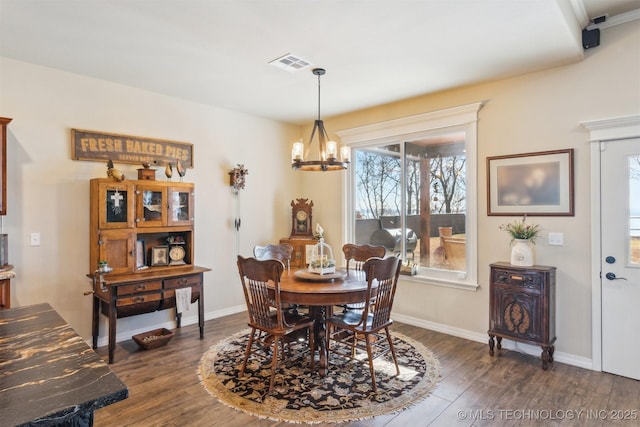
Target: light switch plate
[556, 239]
[35, 239]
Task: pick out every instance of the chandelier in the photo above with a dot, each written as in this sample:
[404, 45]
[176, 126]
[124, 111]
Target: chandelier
[328, 149]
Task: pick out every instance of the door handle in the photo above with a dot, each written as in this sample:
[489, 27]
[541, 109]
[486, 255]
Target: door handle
[612, 276]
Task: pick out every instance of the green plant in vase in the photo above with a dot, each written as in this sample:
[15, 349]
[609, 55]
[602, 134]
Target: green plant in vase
[520, 230]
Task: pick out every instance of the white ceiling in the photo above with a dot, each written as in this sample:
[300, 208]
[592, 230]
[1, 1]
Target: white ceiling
[217, 52]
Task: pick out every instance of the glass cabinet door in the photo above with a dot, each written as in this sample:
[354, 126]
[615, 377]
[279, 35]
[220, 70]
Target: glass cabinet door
[181, 205]
[116, 205]
[151, 206]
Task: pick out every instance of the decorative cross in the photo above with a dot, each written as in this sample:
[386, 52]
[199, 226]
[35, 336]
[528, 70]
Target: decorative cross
[117, 198]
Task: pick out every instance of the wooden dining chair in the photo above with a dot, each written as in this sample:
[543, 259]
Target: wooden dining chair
[359, 254]
[268, 321]
[370, 331]
[282, 252]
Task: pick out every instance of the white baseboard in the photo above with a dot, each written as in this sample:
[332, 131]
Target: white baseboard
[186, 320]
[569, 359]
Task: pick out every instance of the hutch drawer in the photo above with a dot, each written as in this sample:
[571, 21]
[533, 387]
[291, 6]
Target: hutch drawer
[138, 299]
[534, 280]
[182, 282]
[139, 287]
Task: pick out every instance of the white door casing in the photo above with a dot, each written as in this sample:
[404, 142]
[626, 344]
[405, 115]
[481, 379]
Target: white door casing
[608, 130]
[620, 213]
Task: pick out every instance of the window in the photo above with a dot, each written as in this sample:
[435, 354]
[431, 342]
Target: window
[634, 211]
[412, 188]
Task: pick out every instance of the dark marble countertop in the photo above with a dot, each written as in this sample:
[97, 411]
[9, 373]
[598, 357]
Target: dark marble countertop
[48, 373]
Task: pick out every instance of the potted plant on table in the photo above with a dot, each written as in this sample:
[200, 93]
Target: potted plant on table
[523, 236]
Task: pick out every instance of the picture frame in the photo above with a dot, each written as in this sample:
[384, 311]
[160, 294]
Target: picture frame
[535, 184]
[159, 255]
[141, 261]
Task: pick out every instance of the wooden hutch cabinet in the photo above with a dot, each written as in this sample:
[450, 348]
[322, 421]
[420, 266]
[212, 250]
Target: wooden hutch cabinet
[6, 270]
[523, 307]
[144, 231]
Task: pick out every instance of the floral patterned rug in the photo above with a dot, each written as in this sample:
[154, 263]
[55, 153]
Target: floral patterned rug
[300, 396]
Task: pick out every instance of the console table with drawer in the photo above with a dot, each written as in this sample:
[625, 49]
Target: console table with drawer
[126, 295]
[523, 307]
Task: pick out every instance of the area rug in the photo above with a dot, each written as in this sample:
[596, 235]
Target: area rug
[301, 396]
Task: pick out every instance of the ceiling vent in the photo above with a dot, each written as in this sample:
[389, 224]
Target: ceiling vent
[290, 63]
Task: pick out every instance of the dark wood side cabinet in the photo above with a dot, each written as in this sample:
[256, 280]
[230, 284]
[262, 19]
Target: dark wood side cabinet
[3, 163]
[523, 307]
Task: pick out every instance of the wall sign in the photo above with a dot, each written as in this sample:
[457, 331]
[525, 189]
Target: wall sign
[101, 146]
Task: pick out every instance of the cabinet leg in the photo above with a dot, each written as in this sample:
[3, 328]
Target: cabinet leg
[95, 322]
[547, 356]
[491, 344]
[178, 319]
[499, 344]
[201, 311]
[112, 335]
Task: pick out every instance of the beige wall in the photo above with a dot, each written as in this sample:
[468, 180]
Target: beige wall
[48, 192]
[535, 112]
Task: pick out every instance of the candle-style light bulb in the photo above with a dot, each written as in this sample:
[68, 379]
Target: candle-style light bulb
[297, 152]
[345, 154]
[332, 151]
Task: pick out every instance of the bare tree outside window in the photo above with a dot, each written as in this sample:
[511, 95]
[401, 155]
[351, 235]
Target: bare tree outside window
[378, 184]
[449, 183]
[435, 189]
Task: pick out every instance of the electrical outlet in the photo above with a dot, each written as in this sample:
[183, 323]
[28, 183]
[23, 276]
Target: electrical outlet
[35, 239]
[556, 239]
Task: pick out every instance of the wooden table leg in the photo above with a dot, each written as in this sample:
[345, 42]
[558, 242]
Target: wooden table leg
[320, 331]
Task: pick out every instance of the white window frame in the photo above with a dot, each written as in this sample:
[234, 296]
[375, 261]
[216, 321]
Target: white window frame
[425, 125]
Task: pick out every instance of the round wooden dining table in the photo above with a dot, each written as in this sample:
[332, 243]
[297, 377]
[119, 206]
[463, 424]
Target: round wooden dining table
[321, 295]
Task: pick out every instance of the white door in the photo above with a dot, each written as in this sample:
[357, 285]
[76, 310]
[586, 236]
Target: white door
[620, 263]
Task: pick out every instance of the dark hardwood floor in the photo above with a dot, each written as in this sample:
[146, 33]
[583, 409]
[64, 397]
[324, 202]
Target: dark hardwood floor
[475, 388]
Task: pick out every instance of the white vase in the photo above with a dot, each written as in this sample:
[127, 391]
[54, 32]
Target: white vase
[522, 252]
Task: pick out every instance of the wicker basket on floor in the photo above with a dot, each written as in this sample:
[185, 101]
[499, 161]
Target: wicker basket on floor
[153, 339]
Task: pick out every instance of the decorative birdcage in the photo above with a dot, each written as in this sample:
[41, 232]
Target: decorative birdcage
[322, 261]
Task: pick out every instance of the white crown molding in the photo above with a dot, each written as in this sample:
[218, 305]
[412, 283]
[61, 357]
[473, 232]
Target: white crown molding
[611, 21]
[614, 128]
[454, 116]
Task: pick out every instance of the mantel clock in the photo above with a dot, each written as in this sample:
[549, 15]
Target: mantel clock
[301, 219]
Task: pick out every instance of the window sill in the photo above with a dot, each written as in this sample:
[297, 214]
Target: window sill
[443, 282]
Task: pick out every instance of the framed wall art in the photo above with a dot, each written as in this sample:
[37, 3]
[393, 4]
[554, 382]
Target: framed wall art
[536, 184]
[159, 255]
